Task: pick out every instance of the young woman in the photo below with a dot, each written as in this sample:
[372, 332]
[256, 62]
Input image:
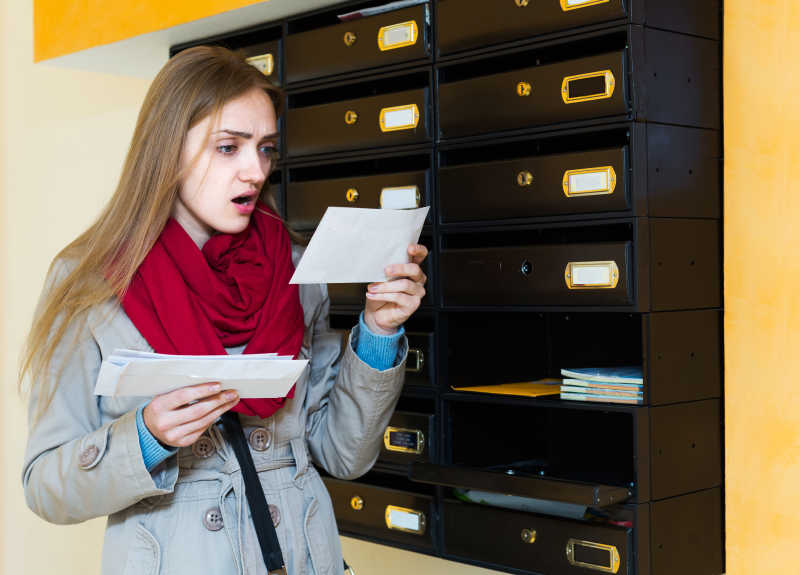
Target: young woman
[189, 257]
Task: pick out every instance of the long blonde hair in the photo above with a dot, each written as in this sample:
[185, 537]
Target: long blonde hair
[193, 85]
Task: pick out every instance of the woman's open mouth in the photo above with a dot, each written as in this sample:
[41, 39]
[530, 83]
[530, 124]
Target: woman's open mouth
[245, 203]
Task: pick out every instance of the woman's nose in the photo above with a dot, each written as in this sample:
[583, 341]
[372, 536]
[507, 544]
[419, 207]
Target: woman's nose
[253, 169]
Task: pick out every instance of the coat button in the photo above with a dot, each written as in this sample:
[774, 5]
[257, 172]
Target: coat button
[260, 439]
[213, 519]
[203, 447]
[88, 456]
[275, 515]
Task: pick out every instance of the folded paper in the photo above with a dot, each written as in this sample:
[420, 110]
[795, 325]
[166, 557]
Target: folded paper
[354, 245]
[132, 373]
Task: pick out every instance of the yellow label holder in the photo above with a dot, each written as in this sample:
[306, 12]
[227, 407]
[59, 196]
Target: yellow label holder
[610, 83]
[613, 556]
[264, 63]
[567, 5]
[420, 440]
[394, 512]
[572, 179]
[411, 109]
[591, 275]
[408, 32]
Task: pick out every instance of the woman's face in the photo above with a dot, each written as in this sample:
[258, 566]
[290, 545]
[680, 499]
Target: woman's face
[218, 192]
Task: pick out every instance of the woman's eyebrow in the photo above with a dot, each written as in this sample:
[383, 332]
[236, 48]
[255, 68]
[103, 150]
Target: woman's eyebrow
[245, 135]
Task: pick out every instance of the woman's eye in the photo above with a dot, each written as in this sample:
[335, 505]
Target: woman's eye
[226, 149]
[269, 151]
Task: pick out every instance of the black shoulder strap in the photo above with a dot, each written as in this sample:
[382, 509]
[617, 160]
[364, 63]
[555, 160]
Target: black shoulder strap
[265, 530]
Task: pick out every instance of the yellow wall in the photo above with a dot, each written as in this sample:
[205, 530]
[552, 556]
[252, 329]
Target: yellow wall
[66, 26]
[762, 272]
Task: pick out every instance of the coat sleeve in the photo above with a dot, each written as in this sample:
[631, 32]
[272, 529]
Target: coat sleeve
[76, 466]
[348, 403]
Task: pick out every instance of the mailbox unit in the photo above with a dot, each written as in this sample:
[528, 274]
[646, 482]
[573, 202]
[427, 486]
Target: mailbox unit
[569, 151]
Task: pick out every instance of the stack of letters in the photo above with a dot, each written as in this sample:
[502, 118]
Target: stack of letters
[607, 384]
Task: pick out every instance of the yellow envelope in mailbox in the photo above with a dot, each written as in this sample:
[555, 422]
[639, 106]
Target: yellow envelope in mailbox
[524, 388]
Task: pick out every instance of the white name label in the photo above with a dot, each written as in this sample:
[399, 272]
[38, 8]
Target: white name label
[403, 520]
[570, 4]
[399, 118]
[588, 182]
[403, 198]
[397, 36]
[587, 274]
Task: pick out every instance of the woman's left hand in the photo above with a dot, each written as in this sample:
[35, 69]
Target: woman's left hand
[391, 303]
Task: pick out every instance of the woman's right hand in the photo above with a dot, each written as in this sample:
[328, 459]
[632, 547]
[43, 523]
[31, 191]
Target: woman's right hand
[178, 418]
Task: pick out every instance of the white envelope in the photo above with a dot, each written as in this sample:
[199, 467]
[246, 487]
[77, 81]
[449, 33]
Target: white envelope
[354, 245]
[131, 373]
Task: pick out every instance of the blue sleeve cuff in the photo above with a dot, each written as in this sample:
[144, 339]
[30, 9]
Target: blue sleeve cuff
[153, 452]
[377, 351]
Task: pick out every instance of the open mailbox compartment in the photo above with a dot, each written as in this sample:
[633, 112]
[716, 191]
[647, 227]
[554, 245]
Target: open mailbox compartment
[679, 352]
[592, 454]
[584, 454]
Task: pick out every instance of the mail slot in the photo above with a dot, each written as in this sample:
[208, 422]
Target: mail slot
[588, 79]
[539, 275]
[308, 200]
[377, 507]
[503, 537]
[385, 39]
[467, 24]
[647, 265]
[319, 121]
[261, 48]
[547, 544]
[582, 182]
[420, 360]
[559, 92]
[592, 171]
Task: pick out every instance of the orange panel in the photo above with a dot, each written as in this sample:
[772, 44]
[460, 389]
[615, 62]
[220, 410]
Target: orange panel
[762, 286]
[64, 26]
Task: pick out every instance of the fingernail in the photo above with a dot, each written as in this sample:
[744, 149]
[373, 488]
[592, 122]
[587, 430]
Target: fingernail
[230, 395]
[215, 387]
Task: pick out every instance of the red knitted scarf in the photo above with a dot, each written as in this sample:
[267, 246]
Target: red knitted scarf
[234, 291]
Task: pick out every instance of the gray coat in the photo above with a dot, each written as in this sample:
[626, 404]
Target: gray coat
[189, 515]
